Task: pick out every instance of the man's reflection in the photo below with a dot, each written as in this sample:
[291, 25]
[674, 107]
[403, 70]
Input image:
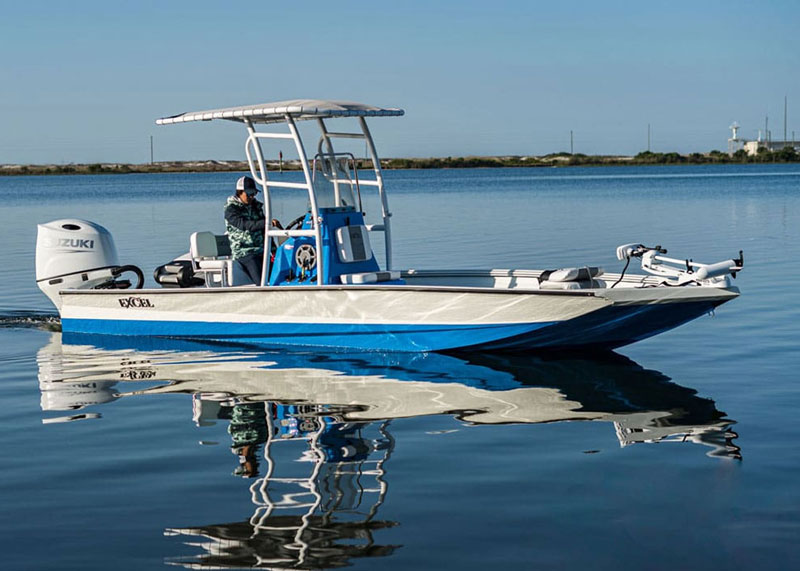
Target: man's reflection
[248, 429]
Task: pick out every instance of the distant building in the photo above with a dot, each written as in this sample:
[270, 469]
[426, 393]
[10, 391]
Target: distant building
[752, 146]
[735, 143]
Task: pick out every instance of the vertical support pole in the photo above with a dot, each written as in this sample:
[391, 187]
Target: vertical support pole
[376, 165]
[312, 485]
[315, 219]
[380, 471]
[261, 178]
[264, 488]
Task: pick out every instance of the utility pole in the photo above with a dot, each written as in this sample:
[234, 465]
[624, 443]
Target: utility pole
[151, 149]
[571, 146]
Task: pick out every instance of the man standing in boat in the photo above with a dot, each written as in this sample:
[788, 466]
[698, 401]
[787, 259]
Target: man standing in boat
[244, 224]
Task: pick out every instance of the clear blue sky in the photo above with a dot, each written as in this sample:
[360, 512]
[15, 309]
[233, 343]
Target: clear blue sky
[84, 81]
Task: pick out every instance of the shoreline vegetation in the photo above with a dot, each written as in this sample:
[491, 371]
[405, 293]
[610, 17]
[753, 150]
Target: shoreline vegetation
[786, 155]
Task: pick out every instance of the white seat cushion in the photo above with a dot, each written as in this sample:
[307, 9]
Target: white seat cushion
[593, 284]
[213, 264]
[370, 277]
[204, 249]
[203, 245]
[574, 274]
[352, 244]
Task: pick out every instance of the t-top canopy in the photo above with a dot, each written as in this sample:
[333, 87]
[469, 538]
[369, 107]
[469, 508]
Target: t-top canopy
[276, 112]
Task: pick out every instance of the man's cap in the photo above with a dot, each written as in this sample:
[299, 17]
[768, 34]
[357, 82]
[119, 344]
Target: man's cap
[247, 184]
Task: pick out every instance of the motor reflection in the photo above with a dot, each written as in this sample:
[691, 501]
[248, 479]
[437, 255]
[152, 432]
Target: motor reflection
[313, 431]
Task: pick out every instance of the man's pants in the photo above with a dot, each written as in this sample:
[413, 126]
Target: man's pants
[251, 264]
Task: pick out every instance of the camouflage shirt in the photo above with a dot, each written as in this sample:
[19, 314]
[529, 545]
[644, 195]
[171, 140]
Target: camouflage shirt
[244, 224]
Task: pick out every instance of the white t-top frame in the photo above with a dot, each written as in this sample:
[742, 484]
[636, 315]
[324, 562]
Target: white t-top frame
[289, 112]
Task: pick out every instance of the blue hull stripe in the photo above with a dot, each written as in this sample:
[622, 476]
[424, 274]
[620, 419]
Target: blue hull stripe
[606, 328]
[386, 337]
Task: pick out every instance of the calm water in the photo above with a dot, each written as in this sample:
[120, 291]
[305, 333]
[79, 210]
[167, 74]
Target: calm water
[677, 452]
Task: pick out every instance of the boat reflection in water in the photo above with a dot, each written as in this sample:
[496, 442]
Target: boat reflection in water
[313, 430]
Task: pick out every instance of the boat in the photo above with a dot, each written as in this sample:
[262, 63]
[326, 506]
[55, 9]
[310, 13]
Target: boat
[323, 286]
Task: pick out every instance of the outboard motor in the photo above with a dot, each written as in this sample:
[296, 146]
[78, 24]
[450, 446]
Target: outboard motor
[78, 254]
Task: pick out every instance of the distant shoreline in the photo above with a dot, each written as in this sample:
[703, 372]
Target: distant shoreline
[787, 155]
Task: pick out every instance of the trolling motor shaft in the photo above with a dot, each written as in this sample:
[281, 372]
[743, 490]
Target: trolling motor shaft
[682, 271]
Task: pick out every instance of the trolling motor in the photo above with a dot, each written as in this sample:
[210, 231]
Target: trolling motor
[78, 254]
[682, 272]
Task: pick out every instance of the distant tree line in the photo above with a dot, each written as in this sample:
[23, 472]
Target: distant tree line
[764, 155]
[458, 163]
[785, 155]
[98, 168]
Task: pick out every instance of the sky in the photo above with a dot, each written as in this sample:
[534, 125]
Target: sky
[84, 81]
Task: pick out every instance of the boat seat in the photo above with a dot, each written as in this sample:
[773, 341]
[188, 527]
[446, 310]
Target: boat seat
[572, 278]
[370, 277]
[211, 258]
[352, 244]
[583, 273]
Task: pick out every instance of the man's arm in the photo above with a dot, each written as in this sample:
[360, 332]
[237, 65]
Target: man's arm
[235, 218]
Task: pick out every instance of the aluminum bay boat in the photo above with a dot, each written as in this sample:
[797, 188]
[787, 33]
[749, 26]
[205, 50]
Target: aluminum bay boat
[324, 286]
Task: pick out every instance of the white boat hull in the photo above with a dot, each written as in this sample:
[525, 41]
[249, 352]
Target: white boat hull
[390, 318]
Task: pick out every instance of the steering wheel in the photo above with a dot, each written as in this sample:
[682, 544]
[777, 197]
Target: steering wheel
[306, 256]
[296, 223]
